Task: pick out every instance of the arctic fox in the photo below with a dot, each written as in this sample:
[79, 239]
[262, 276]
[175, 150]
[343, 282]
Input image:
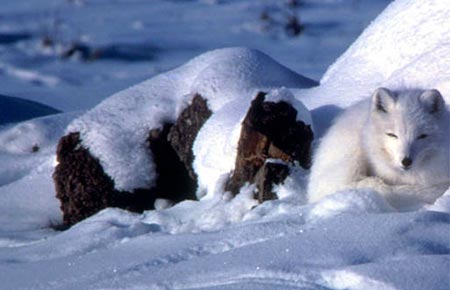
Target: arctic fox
[396, 143]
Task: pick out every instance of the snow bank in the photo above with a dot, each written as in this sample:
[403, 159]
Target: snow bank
[41, 133]
[27, 157]
[115, 131]
[26, 145]
[28, 203]
[208, 215]
[406, 46]
[351, 201]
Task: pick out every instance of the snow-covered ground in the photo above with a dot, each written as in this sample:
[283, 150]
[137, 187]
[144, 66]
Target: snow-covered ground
[349, 240]
[141, 38]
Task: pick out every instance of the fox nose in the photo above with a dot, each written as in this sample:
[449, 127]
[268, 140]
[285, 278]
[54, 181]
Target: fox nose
[406, 162]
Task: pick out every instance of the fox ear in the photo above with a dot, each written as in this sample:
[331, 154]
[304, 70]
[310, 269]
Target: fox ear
[383, 99]
[432, 100]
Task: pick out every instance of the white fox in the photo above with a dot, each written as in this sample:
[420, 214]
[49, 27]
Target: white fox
[396, 143]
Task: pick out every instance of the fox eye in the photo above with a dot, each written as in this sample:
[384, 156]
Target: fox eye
[392, 135]
[423, 136]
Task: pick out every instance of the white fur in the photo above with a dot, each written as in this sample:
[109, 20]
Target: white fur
[357, 151]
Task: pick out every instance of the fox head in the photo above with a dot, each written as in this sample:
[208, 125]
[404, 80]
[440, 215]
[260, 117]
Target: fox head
[409, 126]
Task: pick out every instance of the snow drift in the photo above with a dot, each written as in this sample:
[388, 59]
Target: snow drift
[405, 47]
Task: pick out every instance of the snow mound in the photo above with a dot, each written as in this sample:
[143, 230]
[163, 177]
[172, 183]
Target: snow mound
[406, 46]
[14, 110]
[40, 133]
[27, 194]
[207, 215]
[25, 145]
[115, 131]
[350, 201]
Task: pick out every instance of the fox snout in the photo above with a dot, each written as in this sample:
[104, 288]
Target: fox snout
[406, 163]
[402, 155]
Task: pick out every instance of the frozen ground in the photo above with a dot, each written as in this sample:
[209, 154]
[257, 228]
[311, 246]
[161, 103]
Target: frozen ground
[350, 240]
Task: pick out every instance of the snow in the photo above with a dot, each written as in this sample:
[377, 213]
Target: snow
[349, 240]
[150, 39]
[386, 54]
[442, 204]
[120, 250]
[26, 144]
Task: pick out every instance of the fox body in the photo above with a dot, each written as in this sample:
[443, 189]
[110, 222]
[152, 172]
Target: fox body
[396, 143]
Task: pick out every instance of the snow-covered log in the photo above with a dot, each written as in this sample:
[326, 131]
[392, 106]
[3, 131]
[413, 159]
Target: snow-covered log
[161, 139]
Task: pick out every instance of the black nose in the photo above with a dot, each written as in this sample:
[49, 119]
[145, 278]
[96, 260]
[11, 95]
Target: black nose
[406, 162]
